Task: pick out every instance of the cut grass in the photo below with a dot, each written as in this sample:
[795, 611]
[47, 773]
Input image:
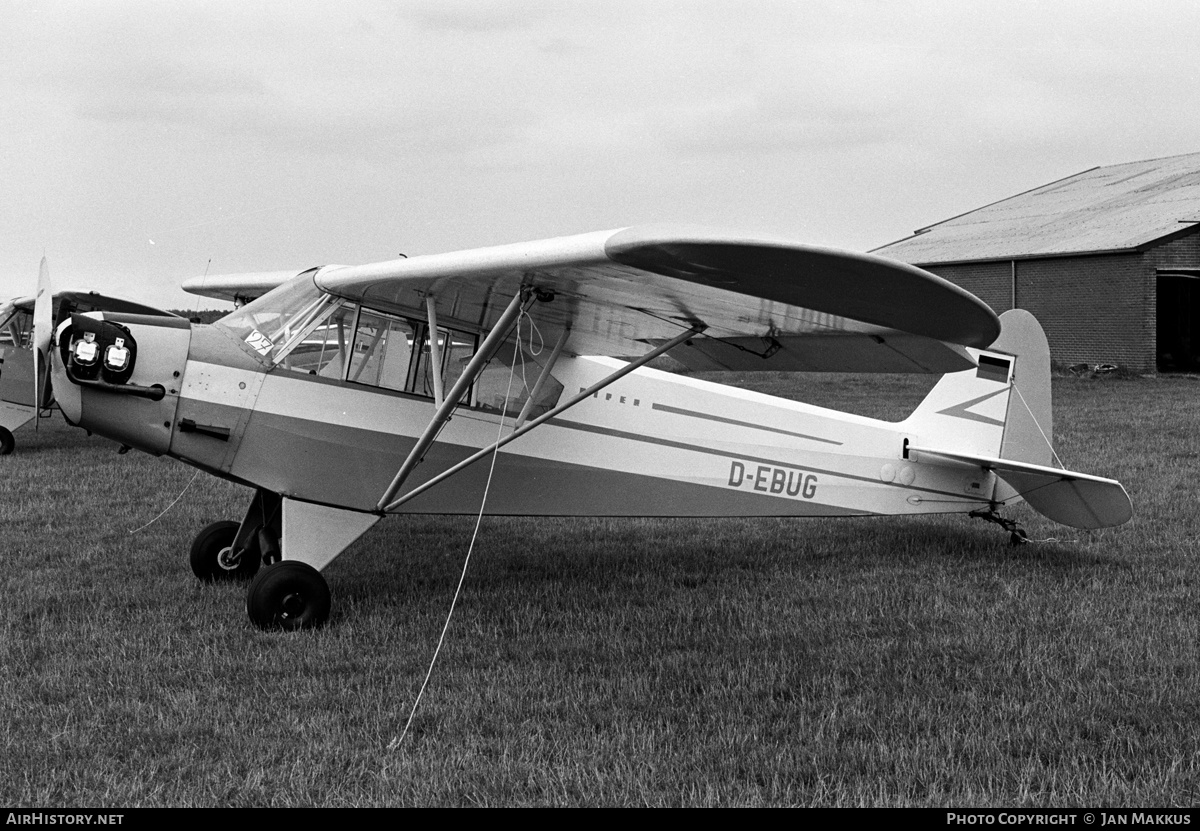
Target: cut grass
[617, 662]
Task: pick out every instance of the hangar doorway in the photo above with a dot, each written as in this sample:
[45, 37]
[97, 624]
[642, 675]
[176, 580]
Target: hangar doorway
[1178, 316]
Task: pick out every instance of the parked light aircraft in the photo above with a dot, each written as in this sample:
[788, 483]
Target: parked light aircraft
[348, 393]
[23, 371]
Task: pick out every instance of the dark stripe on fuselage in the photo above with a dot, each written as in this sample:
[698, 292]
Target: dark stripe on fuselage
[621, 434]
[351, 467]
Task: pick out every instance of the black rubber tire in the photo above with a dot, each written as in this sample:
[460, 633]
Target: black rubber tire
[210, 554]
[288, 595]
[7, 442]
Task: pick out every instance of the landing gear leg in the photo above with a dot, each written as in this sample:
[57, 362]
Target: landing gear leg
[234, 551]
[215, 556]
[291, 593]
[1016, 534]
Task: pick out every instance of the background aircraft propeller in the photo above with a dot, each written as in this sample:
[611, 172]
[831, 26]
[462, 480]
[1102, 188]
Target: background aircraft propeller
[43, 324]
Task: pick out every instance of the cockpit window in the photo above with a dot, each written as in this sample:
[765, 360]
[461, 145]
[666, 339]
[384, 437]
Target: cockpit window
[382, 352]
[325, 345]
[455, 350]
[303, 330]
[272, 321]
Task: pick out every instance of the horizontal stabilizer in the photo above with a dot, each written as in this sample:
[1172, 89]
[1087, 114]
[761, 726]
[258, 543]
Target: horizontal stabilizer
[1079, 500]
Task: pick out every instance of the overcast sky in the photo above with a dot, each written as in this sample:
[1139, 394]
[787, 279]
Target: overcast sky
[141, 140]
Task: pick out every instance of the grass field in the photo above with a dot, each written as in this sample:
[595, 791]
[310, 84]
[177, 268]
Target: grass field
[808, 662]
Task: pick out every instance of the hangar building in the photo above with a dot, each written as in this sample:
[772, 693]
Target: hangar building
[1108, 260]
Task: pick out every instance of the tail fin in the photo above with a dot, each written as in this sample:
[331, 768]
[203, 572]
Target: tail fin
[1002, 407]
[998, 416]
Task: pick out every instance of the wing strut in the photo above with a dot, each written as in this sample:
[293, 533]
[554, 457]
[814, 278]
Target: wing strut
[478, 361]
[696, 329]
[435, 350]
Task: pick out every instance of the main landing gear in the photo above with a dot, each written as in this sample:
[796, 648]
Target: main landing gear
[288, 595]
[284, 594]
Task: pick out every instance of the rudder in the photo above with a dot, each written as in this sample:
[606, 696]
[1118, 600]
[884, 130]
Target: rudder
[1002, 408]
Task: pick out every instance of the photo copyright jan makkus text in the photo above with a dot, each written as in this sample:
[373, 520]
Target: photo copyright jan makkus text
[1089, 818]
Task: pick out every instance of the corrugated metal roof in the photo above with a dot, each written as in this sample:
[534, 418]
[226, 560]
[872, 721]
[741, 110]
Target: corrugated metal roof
[1103, 209]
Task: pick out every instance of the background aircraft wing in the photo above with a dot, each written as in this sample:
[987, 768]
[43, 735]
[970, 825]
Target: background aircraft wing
[1079, 500]
[767, 304]
[238, 288]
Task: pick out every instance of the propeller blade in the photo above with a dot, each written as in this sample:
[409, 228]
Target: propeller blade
[43, 324]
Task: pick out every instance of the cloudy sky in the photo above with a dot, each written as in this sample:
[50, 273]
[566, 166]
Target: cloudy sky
[145, 142]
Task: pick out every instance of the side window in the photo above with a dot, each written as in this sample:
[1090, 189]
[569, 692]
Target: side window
[343, 341]
[457, 355]
[382, 351]
[324, 350]
[456, 349]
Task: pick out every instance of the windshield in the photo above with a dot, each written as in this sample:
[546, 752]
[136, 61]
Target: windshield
[273, 320]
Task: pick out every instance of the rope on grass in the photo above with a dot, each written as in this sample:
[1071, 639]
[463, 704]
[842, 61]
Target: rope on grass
[398, 740]
[169, 507]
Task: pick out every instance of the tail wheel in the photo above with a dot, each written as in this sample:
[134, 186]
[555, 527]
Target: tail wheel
[213, 558]
[288, 595]
[7, 442]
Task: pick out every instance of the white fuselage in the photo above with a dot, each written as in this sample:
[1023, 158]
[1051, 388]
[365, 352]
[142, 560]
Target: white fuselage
[651, 444]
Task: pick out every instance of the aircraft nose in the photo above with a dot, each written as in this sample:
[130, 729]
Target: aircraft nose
[120, 374]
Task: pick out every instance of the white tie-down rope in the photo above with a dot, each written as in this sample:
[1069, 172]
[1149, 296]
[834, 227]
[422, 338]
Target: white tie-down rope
[1045, 438]
[1053, 453]
[169, 507]
[398, 740]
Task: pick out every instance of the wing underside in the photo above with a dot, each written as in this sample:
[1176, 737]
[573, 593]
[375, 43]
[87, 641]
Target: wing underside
[765, 304]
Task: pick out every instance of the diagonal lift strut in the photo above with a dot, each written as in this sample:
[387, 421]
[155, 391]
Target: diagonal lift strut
[478, 361]
[386, 505]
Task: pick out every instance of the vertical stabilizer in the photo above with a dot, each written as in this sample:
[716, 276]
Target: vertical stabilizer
[1002, 408]
[1029, 429]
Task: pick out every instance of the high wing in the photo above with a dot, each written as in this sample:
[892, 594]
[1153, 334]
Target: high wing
[765, 304]
[1079, 500]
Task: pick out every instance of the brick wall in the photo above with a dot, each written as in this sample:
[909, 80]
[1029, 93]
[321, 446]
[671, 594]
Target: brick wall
[1181, 251]
[990, 282]
[1095, 309]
